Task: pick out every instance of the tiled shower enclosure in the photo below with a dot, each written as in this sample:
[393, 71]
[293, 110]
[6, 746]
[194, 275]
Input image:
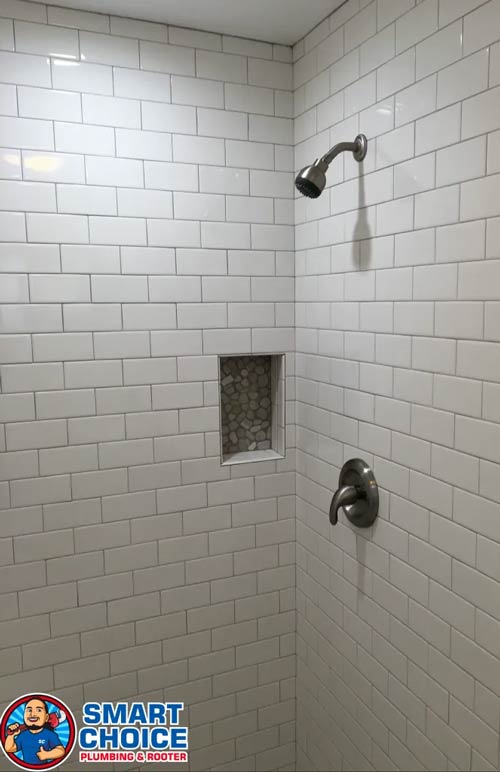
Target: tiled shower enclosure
[148, 238]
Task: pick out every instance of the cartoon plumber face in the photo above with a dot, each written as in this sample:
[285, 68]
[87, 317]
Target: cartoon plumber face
[36, 715]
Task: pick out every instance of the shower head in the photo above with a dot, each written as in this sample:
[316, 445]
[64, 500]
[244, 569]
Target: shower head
[311, 180]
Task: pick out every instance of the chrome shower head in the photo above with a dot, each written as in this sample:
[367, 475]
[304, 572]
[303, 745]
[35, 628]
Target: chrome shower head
[311, 180]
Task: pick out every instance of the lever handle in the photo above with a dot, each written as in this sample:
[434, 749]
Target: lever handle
[357, 494]
[342, 498]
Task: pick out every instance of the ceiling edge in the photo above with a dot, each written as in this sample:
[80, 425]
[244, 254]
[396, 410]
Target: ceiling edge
[179, 26]
[321, 22]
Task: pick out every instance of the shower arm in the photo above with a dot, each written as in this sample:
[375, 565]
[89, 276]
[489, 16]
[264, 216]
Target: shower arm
[341, 147]
[357, 148]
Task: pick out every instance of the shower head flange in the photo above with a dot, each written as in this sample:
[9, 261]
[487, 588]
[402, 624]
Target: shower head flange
[362, 147]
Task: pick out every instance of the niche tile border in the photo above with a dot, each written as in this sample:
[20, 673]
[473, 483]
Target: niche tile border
[243, 393]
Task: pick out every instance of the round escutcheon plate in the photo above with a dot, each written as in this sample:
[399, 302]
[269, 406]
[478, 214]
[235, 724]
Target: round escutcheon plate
[365, 510]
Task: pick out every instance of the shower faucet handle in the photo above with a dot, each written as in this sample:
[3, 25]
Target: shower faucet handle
[343, 497]
[357, 494]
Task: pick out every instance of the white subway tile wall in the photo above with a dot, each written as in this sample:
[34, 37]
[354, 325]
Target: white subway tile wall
[146, 226]
[397, 290]
[146, 189]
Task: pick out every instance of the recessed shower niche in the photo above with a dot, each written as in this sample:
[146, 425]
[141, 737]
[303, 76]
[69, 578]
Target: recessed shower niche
[252, 407]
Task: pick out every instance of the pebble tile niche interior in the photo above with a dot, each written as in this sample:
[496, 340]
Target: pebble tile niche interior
[250, 406]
